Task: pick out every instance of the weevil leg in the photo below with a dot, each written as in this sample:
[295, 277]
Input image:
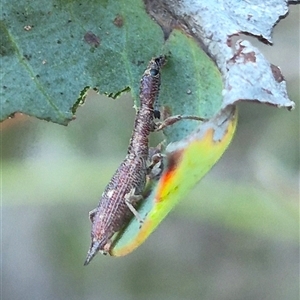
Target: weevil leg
[154, 160]
[92, 214]
[134, 211]
[155, 167]
[130, 201]
[173, 119]
[106, 247]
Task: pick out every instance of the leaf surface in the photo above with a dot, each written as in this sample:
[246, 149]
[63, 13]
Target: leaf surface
[52, 50]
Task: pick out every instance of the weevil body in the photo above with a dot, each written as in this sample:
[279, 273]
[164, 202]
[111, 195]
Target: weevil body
[124, 190]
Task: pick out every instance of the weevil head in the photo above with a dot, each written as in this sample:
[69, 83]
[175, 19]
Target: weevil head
[96, 246]
[100, 237]
[94, 249]
[160, 61]
[155, 65]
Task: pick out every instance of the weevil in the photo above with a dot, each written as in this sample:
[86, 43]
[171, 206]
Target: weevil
[125, 190]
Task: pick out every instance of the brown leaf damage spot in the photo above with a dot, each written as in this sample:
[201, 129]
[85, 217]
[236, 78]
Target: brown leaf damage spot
[243, 56]
[249, 57]
[173, 161]
[92, 39]
[119, 21]
[277, 73]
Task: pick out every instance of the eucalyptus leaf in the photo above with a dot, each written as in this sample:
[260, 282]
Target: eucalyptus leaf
[247, 74]
[53, 50]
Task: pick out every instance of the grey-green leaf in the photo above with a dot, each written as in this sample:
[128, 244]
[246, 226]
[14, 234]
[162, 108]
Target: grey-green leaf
[52, 50]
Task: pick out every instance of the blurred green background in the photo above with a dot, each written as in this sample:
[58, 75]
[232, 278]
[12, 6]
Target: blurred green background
[236, 236]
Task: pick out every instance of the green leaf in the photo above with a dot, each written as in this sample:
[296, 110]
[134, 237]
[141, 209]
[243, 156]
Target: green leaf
[187, 161]
[191, 84]
[52, 50]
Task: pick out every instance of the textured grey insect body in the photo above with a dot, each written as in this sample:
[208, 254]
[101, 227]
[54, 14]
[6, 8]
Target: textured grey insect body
[128, 182]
